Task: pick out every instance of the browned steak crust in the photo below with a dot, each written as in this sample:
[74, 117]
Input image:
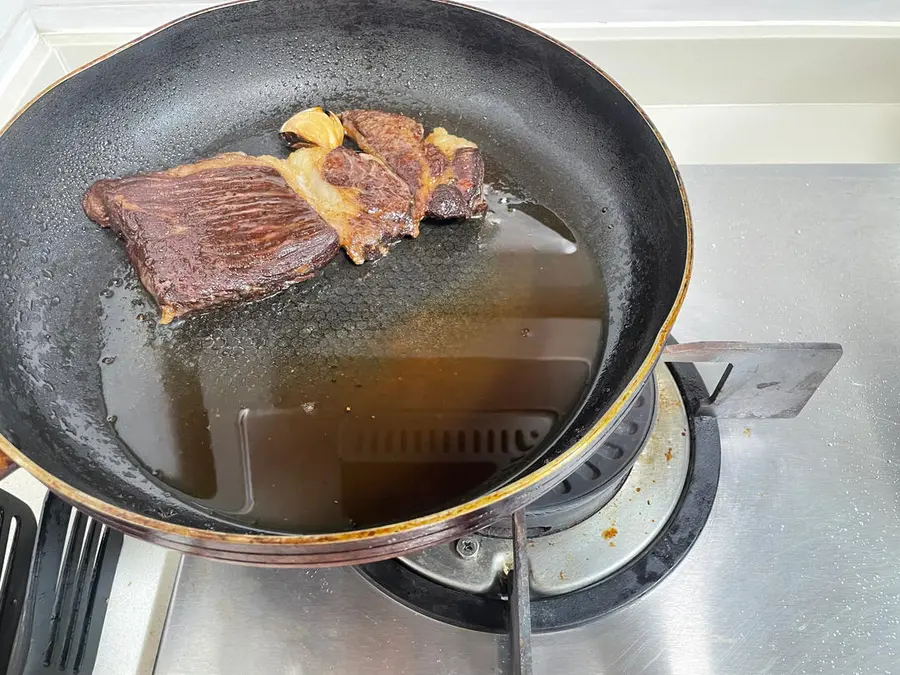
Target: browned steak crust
[357, 195]
[458, 192]
[381, 192]
[213, 232]
[398, 141]
[445, 173]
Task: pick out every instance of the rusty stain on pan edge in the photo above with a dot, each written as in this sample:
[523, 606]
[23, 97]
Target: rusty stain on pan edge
[385, 541]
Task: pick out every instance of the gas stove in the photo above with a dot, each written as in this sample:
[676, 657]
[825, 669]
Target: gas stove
[585, 558]
[793, 569]
[767, 546]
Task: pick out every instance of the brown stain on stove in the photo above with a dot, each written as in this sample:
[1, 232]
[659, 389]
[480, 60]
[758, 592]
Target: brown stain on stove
[669, 400]
[609, 533]
[669, 455]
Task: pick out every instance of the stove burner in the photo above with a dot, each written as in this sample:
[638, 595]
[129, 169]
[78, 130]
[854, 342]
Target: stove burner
[587, 489]
[600, 544]
[489, 611]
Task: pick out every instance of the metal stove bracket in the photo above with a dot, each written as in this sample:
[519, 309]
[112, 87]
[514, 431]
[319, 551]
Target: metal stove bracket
[520, 599]
[762, 380]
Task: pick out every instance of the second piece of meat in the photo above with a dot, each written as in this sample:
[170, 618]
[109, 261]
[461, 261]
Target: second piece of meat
[356, 194]
[444, 172]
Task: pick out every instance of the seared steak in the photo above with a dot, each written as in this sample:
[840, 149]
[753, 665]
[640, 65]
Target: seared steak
[457, 170]
[355, 193]
[213, 232]
[445, 173]
[398, 142]
[239, 227]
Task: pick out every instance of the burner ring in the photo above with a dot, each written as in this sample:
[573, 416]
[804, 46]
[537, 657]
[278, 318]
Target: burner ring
[588, 489]
[604, 540]
[484, 613]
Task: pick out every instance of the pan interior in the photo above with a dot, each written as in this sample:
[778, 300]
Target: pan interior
[430, 371]
[372, 393]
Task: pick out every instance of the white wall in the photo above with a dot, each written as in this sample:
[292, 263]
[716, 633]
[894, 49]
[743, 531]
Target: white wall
[721, 90]
[119, 15]
[10, 11]
[17, 36]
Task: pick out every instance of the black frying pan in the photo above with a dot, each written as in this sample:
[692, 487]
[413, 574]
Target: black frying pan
[548, 122]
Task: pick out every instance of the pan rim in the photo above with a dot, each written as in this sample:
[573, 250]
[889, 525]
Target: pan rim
[542, 474]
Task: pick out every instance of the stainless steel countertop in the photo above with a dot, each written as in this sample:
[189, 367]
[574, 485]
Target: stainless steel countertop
[796, 571]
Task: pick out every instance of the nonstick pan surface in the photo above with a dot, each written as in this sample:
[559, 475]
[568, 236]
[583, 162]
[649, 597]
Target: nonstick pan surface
[224, 79]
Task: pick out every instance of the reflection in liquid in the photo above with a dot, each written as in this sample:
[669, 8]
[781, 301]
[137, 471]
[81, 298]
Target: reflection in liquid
[329, 421]
[195, 471]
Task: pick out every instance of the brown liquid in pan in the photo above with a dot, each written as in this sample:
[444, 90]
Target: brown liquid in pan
[287, 430]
